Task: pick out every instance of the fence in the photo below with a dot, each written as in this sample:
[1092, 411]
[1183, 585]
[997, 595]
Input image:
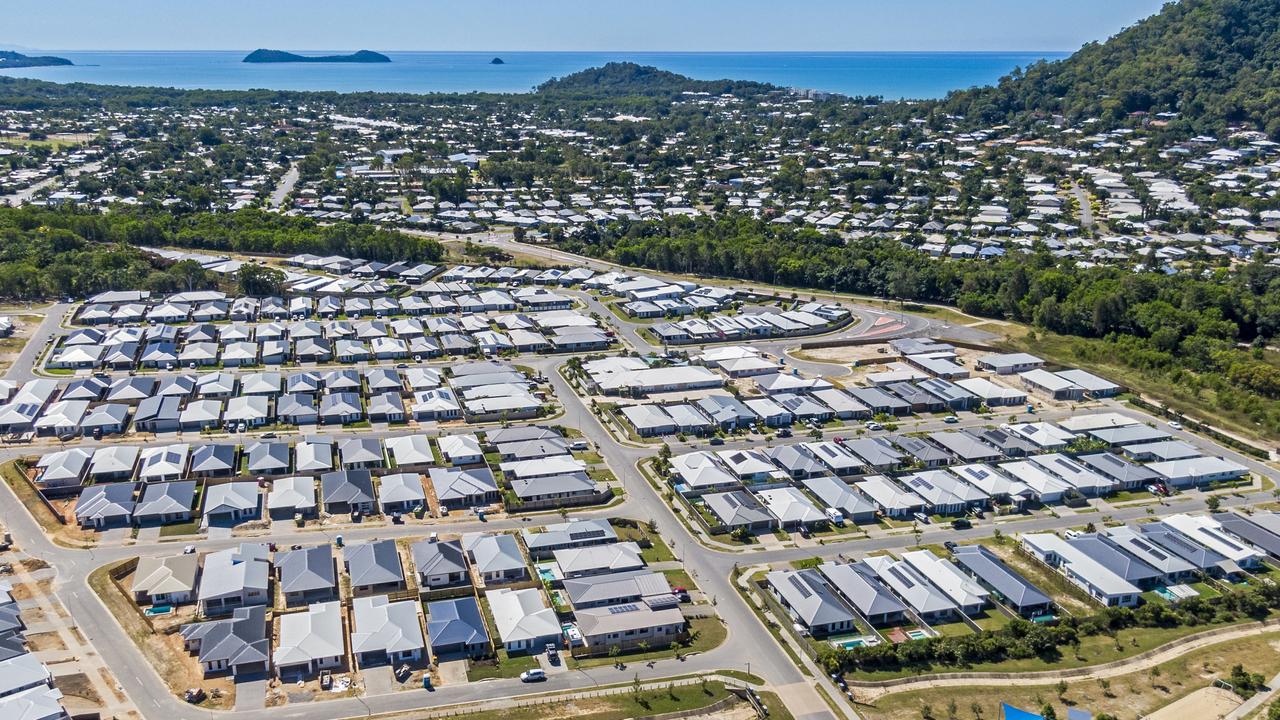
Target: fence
[20, 467]
[117, 573]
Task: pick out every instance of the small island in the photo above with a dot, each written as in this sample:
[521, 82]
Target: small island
[497, 61]
[280, 56]
[10, 59]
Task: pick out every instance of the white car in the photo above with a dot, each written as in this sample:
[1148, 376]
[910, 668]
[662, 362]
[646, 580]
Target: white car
[534, 675]
[1175, 424]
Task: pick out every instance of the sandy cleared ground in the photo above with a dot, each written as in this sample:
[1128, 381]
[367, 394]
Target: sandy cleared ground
[843, 355]
[1203, 704]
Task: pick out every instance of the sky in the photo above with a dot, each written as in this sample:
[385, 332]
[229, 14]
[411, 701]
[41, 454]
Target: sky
[565, 25]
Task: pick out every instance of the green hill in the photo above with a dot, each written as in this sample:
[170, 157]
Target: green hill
[1215, 62]
[622, 79]
[280, 56]
[10, 59]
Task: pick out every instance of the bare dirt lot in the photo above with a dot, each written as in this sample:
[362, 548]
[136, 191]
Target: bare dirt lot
[1210, 702]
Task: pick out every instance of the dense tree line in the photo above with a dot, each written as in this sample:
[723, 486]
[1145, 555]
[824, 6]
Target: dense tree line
[243, 231]
[1021, 639]
[45, 253]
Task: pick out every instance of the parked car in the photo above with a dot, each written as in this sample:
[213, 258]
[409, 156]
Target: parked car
[534, 675]
[961, 524]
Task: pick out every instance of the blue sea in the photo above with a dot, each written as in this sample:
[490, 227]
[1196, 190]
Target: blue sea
[893, 75]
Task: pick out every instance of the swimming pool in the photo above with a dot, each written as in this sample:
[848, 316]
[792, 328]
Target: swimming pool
[917, 634]
[158, 610]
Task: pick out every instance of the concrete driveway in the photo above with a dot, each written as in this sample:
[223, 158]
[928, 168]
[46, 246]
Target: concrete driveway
[251, 692]
[379, 680]
[453, 672]
[558, 668]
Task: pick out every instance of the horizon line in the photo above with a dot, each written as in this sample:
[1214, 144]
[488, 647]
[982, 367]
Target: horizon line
[563, 52]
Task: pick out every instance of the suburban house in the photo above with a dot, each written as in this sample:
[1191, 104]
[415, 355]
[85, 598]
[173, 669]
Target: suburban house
[440, 564]
[374, 567]
[1009, 586]
[456, 628]
[347, 491]
[858, 585]
[104, 506]
[290, 496]
[170, 580]
[626, 626]
[496, 558]
[461, 488]
[1080, 568]
[239, 645]
[401, 493]
[308, 575]
[522, 619]
[310, 641]
[234, 578]
[385, 632]
[811, 601]
[165, 502]
[231, 503]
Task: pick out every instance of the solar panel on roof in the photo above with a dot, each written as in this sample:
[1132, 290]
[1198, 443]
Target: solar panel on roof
[1144, 545]
[800, 586]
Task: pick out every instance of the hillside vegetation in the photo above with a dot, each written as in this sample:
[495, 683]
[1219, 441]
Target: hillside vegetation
[1212, 61]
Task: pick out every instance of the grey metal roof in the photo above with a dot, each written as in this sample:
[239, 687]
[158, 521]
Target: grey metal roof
[859, 585]
[307, 569]
[455, 622]
[809, 596]
[438, 558]
[373, 563]
[166, 498]
[1114, 559]
[241, 639]
[346, 486]
[992, 571]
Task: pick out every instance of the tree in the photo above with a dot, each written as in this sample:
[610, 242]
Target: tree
[190, 274]
[259, 280]
[1213, 502]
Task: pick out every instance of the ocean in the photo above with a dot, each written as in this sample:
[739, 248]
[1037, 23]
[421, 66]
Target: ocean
[893, 75]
